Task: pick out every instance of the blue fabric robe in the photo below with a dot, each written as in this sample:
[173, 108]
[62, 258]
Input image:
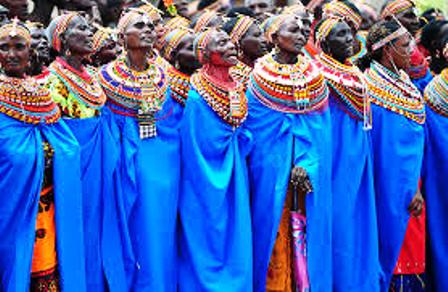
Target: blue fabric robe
[275, 135]
[435, 190]
[21, 176]
[422, 82]
[356, 264]
[398, 153]
[148, 178]
[102, 234]
[216, 237]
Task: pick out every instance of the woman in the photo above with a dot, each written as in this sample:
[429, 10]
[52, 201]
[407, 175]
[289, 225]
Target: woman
[434, 185]
[433, 38]
[355, 263]
[41, 50]
[105, 46]
[40, 163]
[146, 132]
[249, 39]
[216, 237]
[291, 124]
[397, 137]
[178, 50]
[80, 97]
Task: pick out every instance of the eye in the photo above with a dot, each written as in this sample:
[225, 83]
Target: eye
[20, 46]
[3, 47]
[139, 25]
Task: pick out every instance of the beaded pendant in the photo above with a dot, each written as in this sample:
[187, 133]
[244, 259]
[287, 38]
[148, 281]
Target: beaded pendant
[298, 88]
[436, 94]
[85, 88]
[138, 94]
[230, 105]
[179, 85]
[240, 72]
[347, 84]
[27, 101]
[395, 93]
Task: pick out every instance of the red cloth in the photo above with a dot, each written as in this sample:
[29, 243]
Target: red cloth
[412, 258]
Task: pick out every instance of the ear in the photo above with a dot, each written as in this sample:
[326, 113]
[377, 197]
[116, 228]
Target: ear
[275, 40]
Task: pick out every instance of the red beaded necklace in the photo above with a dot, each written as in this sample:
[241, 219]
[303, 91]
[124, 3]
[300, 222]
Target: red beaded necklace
[179, 85]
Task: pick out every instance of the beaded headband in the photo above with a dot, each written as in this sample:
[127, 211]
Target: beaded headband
[445, 51]
[325, 28]
[15, 28]
[293, 9]
[101, 36]
[204, 20]
[127, 17]
[273, 24]
[151, 11]
[393, 36]
[201, 42]
[242, 25]
[62, 23]
[342, 10]
[171, 40]
[177, 22]
[396, 7]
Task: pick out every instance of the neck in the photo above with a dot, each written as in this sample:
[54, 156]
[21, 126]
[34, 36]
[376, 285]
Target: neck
[75, 61]
[137, 59]
[283, 57]
[219, 73]
[248, 61]
[386, 62]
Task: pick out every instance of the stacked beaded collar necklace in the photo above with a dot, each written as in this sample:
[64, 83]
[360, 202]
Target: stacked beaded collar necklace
[394, 93]
[298, 88]
[240, 72]
[27, 101]
[84, 87]
[133, 90]
[436, 94]
[345, 80]
[230, 105]
[179, 85]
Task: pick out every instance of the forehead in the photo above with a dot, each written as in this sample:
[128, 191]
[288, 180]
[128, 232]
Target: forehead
[340, 26]
[13, 40]
[140, 18]
[410, 11]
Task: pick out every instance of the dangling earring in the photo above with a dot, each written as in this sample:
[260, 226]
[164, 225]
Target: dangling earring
[438, 54]
[177, 65]
[68, 53]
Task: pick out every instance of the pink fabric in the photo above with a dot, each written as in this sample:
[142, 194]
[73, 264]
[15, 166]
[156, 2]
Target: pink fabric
[298, 224]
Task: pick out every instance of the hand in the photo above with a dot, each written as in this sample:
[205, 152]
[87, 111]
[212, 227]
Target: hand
[301, 180]
[416, 205]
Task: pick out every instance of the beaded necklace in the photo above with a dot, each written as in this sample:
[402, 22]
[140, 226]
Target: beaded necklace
[436, 94]
[83, 86]
[298, 88]
[395, 93]
[27, 101]
[240, 72]
[361, 37]
[228, 104]
[346, 81]
[179, 85]
[134, 90]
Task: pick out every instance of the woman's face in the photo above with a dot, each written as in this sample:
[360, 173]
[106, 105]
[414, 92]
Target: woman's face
[290, 37]
[39, 43]
[409, 19]
[307, 21]
[140, 33]
[400, 52]
[185, 56]
[253, 43]
[108, 51]
[339, 43]
[221, 50]
[78, 38]
[14, 55]
[182, 7]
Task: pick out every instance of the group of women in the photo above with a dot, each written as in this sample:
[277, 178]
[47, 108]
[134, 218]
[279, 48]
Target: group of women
[177, 164]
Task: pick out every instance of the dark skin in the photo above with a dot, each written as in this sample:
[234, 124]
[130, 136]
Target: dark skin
[290, 40]
[39, 43]
[306, 19]
[253, 45]
[397, 56]
[409, 19]
[138, 39]
[77, 42]
[438, 62]
[14, 56]
[184, 58]
[182, 8]
[17, 8]
[159, 28]
[220, 55]
[3, 15]
[261, 8]
[107, 53]
[339, 43]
